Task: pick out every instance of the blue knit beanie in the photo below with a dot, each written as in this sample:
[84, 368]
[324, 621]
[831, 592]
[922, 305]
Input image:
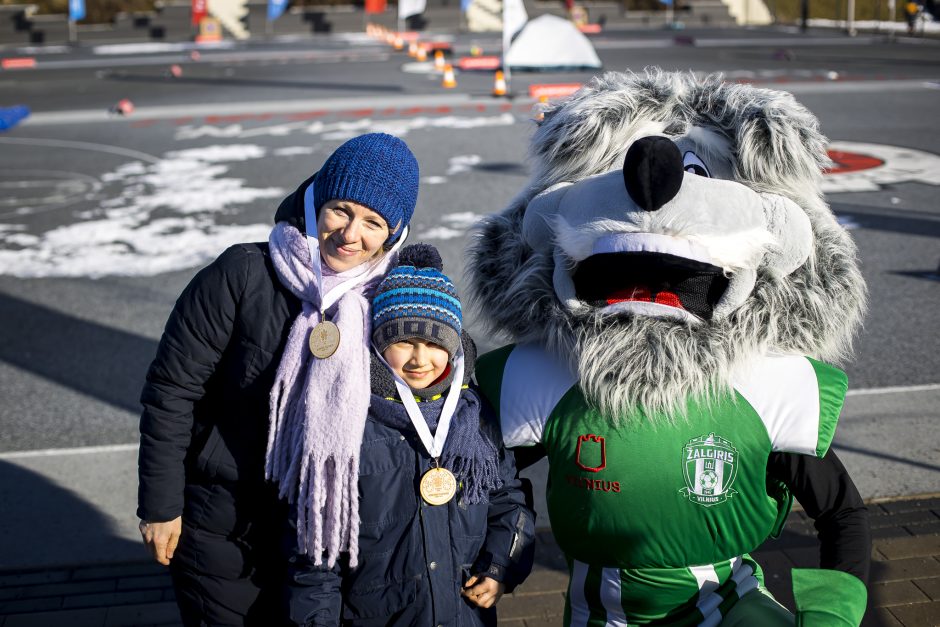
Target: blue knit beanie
[376, 170]
[416, 299]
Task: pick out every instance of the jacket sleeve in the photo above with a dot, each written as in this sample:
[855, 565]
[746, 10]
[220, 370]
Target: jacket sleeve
[196, 334]
[314, 592]
[827, 494]
[509, 549]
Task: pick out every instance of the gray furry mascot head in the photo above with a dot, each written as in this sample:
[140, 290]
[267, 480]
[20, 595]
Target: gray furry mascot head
[673, 231]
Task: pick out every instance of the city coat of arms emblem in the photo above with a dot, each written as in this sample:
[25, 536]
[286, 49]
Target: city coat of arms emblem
[710, 465]
[592, 453]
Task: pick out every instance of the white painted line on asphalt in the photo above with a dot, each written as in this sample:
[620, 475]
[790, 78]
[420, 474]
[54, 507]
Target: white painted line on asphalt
[251, 108]
[121, 448]
[848, 87]
[898, 389]
[62, 143]
[328, 56]
[83, 450]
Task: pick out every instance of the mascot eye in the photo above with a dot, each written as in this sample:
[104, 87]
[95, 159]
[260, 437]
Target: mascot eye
[692, 164]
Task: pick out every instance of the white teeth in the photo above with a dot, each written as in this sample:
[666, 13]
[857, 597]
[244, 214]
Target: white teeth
[652, 243]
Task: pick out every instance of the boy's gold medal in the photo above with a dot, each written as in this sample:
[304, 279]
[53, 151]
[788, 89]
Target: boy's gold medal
[324, 339]
[438, 486]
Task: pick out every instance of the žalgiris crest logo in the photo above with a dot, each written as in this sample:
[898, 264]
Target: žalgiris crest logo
[710, 465]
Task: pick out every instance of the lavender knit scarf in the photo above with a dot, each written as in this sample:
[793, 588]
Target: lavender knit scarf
[319, 406]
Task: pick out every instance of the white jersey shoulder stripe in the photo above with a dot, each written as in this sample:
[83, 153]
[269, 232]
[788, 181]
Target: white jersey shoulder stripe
[784, 392]
[533, 383]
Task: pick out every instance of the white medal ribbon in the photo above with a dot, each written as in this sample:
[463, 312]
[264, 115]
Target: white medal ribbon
[434, 444]
[329, 299]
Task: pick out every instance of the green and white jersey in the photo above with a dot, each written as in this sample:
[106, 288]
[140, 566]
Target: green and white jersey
[657, 521]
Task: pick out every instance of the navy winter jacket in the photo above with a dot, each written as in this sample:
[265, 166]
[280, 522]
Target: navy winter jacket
[413, 557]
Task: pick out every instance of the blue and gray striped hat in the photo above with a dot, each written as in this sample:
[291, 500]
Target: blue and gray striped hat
[416, 299]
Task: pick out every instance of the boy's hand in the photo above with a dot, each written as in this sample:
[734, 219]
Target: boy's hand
[483, 591]
[161, 538]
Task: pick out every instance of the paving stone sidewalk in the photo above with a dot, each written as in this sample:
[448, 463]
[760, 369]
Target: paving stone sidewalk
[904, 590]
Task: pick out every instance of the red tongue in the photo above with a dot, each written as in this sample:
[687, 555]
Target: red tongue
[669, 298]
[642, 293]
[638, 292]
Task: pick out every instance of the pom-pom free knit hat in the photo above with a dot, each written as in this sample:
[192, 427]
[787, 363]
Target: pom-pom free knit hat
[376, 170]
[416, 299]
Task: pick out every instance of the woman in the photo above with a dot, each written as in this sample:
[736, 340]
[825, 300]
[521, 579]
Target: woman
[234, 356]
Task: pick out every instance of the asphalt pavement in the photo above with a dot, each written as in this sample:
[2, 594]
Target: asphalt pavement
[104, 219]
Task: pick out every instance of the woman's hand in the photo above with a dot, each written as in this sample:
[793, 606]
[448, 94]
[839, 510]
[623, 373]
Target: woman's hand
[483, 591]
[161, 538]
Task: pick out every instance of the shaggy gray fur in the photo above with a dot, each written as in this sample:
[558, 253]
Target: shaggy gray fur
[625, 361]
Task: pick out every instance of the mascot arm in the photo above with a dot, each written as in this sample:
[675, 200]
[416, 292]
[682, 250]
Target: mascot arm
[834, 594]
[829, 497]
[799, 400]
[523, 385]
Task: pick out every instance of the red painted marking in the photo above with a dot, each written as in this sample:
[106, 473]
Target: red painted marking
[481, 108]
[181, 121]
[553, 90]
[18, 63]
[506, 106]
[443, 109]
[851, 162]
[227, 119]
[478, 63]
[305, 115]
[431, 46]
[143, 123]
[590, 29]
[365, 113]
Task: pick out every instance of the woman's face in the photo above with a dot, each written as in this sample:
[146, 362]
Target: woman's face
[349, 234]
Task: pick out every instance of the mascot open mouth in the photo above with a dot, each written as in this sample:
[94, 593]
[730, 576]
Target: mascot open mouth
[609, 279]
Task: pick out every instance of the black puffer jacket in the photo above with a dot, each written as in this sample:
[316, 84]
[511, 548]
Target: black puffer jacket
[205, 419]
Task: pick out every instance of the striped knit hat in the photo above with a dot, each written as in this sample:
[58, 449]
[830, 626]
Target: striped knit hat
[416, 299]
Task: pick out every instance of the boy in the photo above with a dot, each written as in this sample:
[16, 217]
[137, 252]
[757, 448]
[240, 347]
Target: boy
[444, 529]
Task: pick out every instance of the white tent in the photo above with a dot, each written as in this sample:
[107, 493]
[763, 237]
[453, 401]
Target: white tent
[549, 42]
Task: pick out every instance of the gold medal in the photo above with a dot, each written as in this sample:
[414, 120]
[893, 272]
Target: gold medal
[324, 339]
[438, 486]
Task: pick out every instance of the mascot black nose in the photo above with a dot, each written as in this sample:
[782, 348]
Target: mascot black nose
[653, 172]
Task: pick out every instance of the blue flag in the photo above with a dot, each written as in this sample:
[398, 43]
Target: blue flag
[76, 10]
[276, 9]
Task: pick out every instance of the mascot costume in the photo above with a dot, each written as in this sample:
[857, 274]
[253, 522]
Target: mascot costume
[676, 287]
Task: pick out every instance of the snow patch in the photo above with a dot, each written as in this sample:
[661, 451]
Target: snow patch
[159, 217]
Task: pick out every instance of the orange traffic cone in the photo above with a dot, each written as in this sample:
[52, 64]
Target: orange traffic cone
[422, 55]
[450, 81]
[439, 60]
[413, 49]
[499, 84]
[399, 43]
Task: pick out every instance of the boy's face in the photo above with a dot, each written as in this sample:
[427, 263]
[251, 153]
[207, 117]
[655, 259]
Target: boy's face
[419, 362]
